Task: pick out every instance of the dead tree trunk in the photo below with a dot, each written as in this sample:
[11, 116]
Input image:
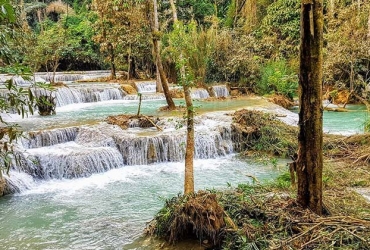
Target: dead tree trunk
[310, 138]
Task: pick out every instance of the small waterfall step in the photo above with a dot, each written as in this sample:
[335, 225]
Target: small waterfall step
[70, 160]
[84, 93]
[199, 94]
[146, 87]
[73, 76]
[220, 91]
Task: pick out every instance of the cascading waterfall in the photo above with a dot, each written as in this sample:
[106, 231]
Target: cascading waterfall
[146, 87]
[49, 137]
[199, 94]
[83, 93]
[71, 160]
[220, 91]
[75, 76]
[82, 151]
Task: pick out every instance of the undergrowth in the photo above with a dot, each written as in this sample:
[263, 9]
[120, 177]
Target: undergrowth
[266, 215]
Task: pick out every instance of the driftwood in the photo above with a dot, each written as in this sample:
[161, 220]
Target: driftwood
[151, 121]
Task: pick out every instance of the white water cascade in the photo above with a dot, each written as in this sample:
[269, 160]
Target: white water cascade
[199, 94]
[75, 152]
[146, 86]
[73, 76]
[221, 91]
[83, 93]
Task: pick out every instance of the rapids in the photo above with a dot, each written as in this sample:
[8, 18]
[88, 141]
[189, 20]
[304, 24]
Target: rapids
[84, 184]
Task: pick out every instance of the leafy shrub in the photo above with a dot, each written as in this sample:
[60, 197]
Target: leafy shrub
[277, 77]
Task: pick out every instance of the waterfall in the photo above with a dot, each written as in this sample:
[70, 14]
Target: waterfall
[70, 160]
[220, 91]
[199, 94]
[83, 93]
[170, 147]
[75, 76]
[146, 87]
[49, 137]
[18, 182]
[81, 151]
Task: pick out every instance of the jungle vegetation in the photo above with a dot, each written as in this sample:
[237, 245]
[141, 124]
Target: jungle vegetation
[250, 44]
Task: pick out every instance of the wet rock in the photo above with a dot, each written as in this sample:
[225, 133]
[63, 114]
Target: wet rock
[2, 186]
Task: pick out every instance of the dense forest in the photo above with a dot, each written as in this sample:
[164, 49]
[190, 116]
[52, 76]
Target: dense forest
[250, 44]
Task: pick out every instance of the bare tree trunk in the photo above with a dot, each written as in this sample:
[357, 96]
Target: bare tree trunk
[112, 64]
[189, 154]
[158, 60]
[159, 87]
[310, 159]
[129, 63]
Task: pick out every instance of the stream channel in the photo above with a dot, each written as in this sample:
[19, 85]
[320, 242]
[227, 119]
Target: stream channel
[65, 199]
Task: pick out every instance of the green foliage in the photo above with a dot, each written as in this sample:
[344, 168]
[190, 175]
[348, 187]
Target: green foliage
[235, 59]
[277, 77]
[280, 28]
[6, 11]
[200, 11]
[231, 11]
[18, 100]
[180, 47]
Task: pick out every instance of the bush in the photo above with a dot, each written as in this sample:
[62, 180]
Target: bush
[277, 77]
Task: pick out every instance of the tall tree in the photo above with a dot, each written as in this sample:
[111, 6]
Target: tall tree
[310, 159]
[158, 60]
[186, 84]
[122, 31]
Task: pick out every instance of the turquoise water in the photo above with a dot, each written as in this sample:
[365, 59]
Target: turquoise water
[350, 122]
[346, 123]
[109, 210]
[83, 113]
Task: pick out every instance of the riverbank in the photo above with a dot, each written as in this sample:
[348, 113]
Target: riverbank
[266, 215]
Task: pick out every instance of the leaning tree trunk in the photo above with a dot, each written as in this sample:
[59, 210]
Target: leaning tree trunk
[158, 60]
[310, 138]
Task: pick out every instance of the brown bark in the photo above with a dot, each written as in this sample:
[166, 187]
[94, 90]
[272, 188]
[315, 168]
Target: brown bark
[112, 64]
[162, 75]
[189, 154]
[174, 11]
[129, 63]
[310, 159]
